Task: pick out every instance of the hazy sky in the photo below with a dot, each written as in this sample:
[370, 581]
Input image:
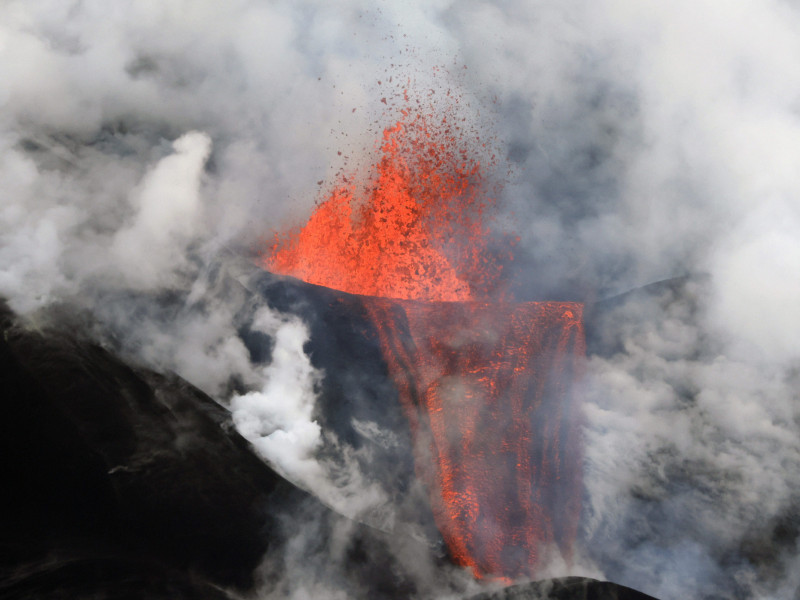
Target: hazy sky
[139, 140]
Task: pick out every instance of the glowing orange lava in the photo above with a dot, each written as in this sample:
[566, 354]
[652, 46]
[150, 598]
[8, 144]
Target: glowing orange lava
[485, 386]
[416, 231]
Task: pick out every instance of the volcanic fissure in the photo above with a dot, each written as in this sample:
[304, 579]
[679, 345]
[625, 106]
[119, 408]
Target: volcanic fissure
[486, 383]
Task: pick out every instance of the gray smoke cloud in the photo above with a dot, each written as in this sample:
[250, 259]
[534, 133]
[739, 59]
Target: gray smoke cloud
[654, 141]
[141, 143]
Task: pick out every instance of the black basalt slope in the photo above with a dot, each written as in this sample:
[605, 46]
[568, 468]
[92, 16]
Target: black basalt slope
[566, 588]
[119, 482]
[104, 458]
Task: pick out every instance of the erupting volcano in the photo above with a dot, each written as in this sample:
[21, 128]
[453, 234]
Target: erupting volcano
[485, 382]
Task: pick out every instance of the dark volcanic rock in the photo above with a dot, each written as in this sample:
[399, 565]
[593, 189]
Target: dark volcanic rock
[103, 452]
[567, 588]
[65, 576]
[357, 403]
[120, 482]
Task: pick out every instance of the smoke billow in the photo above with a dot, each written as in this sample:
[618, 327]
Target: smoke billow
[142, 144]
[279, 416]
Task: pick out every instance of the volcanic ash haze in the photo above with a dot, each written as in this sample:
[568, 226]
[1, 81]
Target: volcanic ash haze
[143, 144]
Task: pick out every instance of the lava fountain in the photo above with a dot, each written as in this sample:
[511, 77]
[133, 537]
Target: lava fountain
[485, 382]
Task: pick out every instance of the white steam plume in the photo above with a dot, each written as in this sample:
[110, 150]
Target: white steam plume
[278, 419]
[167, 212]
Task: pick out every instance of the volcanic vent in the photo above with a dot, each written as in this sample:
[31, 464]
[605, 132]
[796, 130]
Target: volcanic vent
[484, 382]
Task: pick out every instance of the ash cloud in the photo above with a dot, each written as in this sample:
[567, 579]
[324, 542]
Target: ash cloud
[142, 144]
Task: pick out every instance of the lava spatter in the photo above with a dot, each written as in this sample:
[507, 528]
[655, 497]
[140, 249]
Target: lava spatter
[415, 229]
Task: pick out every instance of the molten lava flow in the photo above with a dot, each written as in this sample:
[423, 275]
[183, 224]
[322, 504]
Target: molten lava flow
[486, 388]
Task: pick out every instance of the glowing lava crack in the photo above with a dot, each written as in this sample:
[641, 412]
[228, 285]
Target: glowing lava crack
[486, 386]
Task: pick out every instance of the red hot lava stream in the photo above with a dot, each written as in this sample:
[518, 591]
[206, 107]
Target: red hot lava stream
[485, 385]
